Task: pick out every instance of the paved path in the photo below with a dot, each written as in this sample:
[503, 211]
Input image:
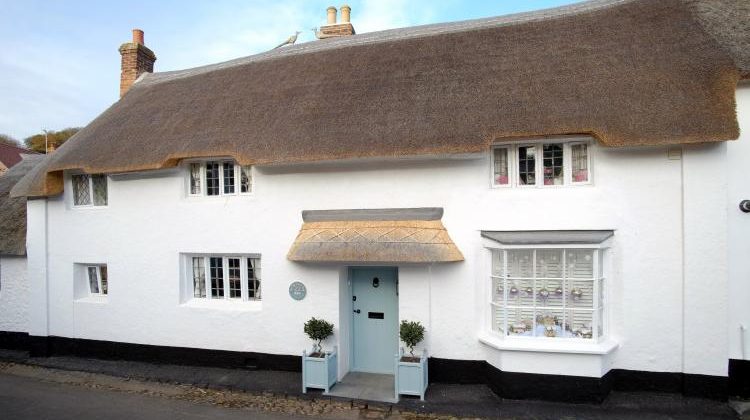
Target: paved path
[27, 398]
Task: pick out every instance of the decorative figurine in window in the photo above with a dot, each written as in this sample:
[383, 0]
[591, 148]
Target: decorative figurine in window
[576, 294]
[513, 290]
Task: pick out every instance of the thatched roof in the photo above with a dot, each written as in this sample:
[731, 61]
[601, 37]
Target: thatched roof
[374, 236]
[629, 72]
[13, 210]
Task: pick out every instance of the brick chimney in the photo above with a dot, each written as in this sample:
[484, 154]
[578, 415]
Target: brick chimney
[136, 60]
[334, 29]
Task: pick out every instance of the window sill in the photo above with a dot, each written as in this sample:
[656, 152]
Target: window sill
[224, 305]
[93, 299]
[540, 345]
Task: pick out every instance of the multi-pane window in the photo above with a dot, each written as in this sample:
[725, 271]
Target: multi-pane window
[212, 178]
[527, 165]
[552, 155]
[548, 292]
[500, 173]
[542, 164]
[199, 277]
[89, 190]
[195, 178]
[217, 277]
[579, 162]
[215, 178]
[233, 277]
[97, 277]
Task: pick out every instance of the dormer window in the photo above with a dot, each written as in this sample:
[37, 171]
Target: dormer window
[219, 177]
[554, 163]
[89, 190]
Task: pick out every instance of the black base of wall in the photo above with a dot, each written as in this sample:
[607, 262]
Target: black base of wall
[739, 378]
[573, 389]
[12, 340]
[109, 350]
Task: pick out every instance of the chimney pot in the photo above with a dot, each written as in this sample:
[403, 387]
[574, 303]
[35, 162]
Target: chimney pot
[138, 37]
[345, 13]
[331, 15]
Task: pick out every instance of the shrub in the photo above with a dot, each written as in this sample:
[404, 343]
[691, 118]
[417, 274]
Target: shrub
[318, 330]
[411, 333]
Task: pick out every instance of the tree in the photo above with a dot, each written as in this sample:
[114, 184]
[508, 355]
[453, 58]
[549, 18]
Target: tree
[318, 330]
[6, 139]
[54, 139]
[411, 333]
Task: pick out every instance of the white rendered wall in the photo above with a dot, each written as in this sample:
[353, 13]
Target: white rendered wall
[738, 153]
[14, 294]
[149, 222]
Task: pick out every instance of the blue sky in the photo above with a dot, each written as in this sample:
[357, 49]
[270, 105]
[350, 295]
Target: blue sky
[60, 66]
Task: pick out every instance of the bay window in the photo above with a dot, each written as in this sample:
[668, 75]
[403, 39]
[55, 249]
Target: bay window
[219, 177]
[548, 284]
[541, 164]
[548, 292]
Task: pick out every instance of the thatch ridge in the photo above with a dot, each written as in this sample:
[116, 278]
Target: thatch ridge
[13, 210]
[628, 72]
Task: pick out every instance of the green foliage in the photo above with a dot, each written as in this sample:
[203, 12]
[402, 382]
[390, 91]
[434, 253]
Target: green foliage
[6, 139]
[411, 333]
[318, 330]
[54, 139]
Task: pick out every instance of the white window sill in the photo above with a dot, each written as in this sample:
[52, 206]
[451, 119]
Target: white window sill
[224, 304]
[98, 299]
[541, 345]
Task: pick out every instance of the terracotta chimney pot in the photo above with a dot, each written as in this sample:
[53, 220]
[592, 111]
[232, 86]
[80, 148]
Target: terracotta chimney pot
[345, 13]
[331, 15]
[138, 37]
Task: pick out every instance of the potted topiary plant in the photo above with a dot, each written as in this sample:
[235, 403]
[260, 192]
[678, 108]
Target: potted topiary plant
[411, 370]
[319, 368]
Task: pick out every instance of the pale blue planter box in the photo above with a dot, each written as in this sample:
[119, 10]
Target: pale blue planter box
[411, 378]
[320, 372]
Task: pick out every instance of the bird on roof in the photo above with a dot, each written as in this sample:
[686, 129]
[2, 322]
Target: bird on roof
[289, 41]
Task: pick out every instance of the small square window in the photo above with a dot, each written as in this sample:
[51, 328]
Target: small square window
[97, 279]
[89, 190]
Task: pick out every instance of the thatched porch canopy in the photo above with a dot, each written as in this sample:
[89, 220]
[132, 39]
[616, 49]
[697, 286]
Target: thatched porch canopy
[374, 236]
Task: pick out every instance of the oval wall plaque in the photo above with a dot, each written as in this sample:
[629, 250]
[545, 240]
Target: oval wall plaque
[297, 290]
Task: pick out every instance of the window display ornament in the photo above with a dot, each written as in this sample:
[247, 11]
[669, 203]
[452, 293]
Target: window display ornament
[543, 293]
[513, 290]
[558, 291]
[576, 294]
[529, 291]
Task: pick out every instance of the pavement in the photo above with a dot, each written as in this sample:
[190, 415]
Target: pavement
[28, 398]
[281, 392]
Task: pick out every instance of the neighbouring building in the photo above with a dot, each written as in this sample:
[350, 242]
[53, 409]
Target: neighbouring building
[14, 280]
[10, 155]
[553, 195]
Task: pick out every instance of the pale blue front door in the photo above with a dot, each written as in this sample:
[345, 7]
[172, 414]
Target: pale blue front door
[374, 319]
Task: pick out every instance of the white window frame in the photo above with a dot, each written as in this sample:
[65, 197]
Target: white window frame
[600, 314]
[98, 268]
[188, 280]
[91, 191]
[538, 144]
[204, 187]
